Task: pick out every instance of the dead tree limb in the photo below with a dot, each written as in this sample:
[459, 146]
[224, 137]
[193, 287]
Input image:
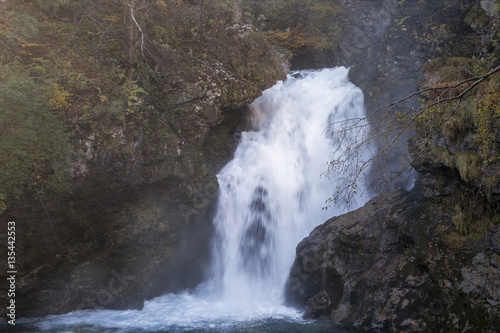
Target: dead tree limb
[362, 133]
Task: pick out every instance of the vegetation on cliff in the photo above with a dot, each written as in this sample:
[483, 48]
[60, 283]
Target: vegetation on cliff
[301, 26]
[458, 96]
[111, 72]
[115, 115]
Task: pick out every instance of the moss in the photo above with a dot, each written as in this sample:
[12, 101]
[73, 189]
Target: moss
[461, 120]
[469, 165]
[450, 68]
[477, 17]
[490, 182]
[457, 119]
[451, 130]
[472, 220]
[443, 156]
[453, 240]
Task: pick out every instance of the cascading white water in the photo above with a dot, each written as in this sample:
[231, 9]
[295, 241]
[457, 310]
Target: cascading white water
[271, 196]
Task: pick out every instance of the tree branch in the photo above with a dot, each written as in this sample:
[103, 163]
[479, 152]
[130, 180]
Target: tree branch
[359, 131]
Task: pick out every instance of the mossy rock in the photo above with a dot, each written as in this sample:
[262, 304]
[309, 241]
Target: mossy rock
[477, 17]
[448, 69]
[443, 156]
[469, 165]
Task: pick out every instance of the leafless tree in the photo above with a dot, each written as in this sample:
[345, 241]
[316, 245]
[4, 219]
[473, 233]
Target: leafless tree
[380, 131]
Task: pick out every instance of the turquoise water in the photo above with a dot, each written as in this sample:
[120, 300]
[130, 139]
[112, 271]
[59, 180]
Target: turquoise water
[184, 312]
[268, 325]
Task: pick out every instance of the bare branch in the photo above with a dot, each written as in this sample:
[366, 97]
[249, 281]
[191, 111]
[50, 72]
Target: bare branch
[350, 136]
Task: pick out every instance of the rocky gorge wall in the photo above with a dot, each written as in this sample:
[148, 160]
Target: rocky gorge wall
[384, 267]
[427, 260]
[137, 220]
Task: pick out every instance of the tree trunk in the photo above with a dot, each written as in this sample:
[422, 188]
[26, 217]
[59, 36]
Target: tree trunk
[128, 24]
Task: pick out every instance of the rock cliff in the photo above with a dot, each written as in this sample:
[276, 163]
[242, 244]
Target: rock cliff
[425, 260]
[151, 117]
[384, 267]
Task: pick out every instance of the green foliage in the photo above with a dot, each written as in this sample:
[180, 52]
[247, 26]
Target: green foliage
[133, 95]
[94, 72]
[24, 27]
[477, 17]
[454, 118]
[400, 23]
[469, 166]
[300, 24]
[445, 70]
[434, 27]
[460, 121]
[477, 114]
[35, 151]
[444, 156]
[54, 7]
[488, 125]
[471, 222]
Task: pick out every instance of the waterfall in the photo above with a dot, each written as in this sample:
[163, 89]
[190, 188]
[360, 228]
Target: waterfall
[271, 196]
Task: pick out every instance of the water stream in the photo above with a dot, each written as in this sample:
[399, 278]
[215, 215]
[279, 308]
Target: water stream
[271, 196]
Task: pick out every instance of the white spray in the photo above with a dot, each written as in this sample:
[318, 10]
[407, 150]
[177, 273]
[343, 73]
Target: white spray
[271, 194]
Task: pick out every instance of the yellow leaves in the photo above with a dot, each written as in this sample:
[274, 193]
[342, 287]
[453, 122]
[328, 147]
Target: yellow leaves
[5, 26]
[292, 39]
[110, 18]
[32, 44]
[103, 98]
[58, 97]
[438, 34]
[26, 48]
[133, 94]
[400, 23]
[162, 3]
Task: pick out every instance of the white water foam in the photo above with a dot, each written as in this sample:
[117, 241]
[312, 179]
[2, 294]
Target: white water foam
[270, 197]
[170, 312]
[271, 194]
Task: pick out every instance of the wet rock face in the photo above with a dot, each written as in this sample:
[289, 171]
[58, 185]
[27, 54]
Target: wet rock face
[402, 263]
[383, 267]
[370, 48]
[342, 269]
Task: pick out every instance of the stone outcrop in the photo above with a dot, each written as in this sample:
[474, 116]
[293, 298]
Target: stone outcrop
[385, 268]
